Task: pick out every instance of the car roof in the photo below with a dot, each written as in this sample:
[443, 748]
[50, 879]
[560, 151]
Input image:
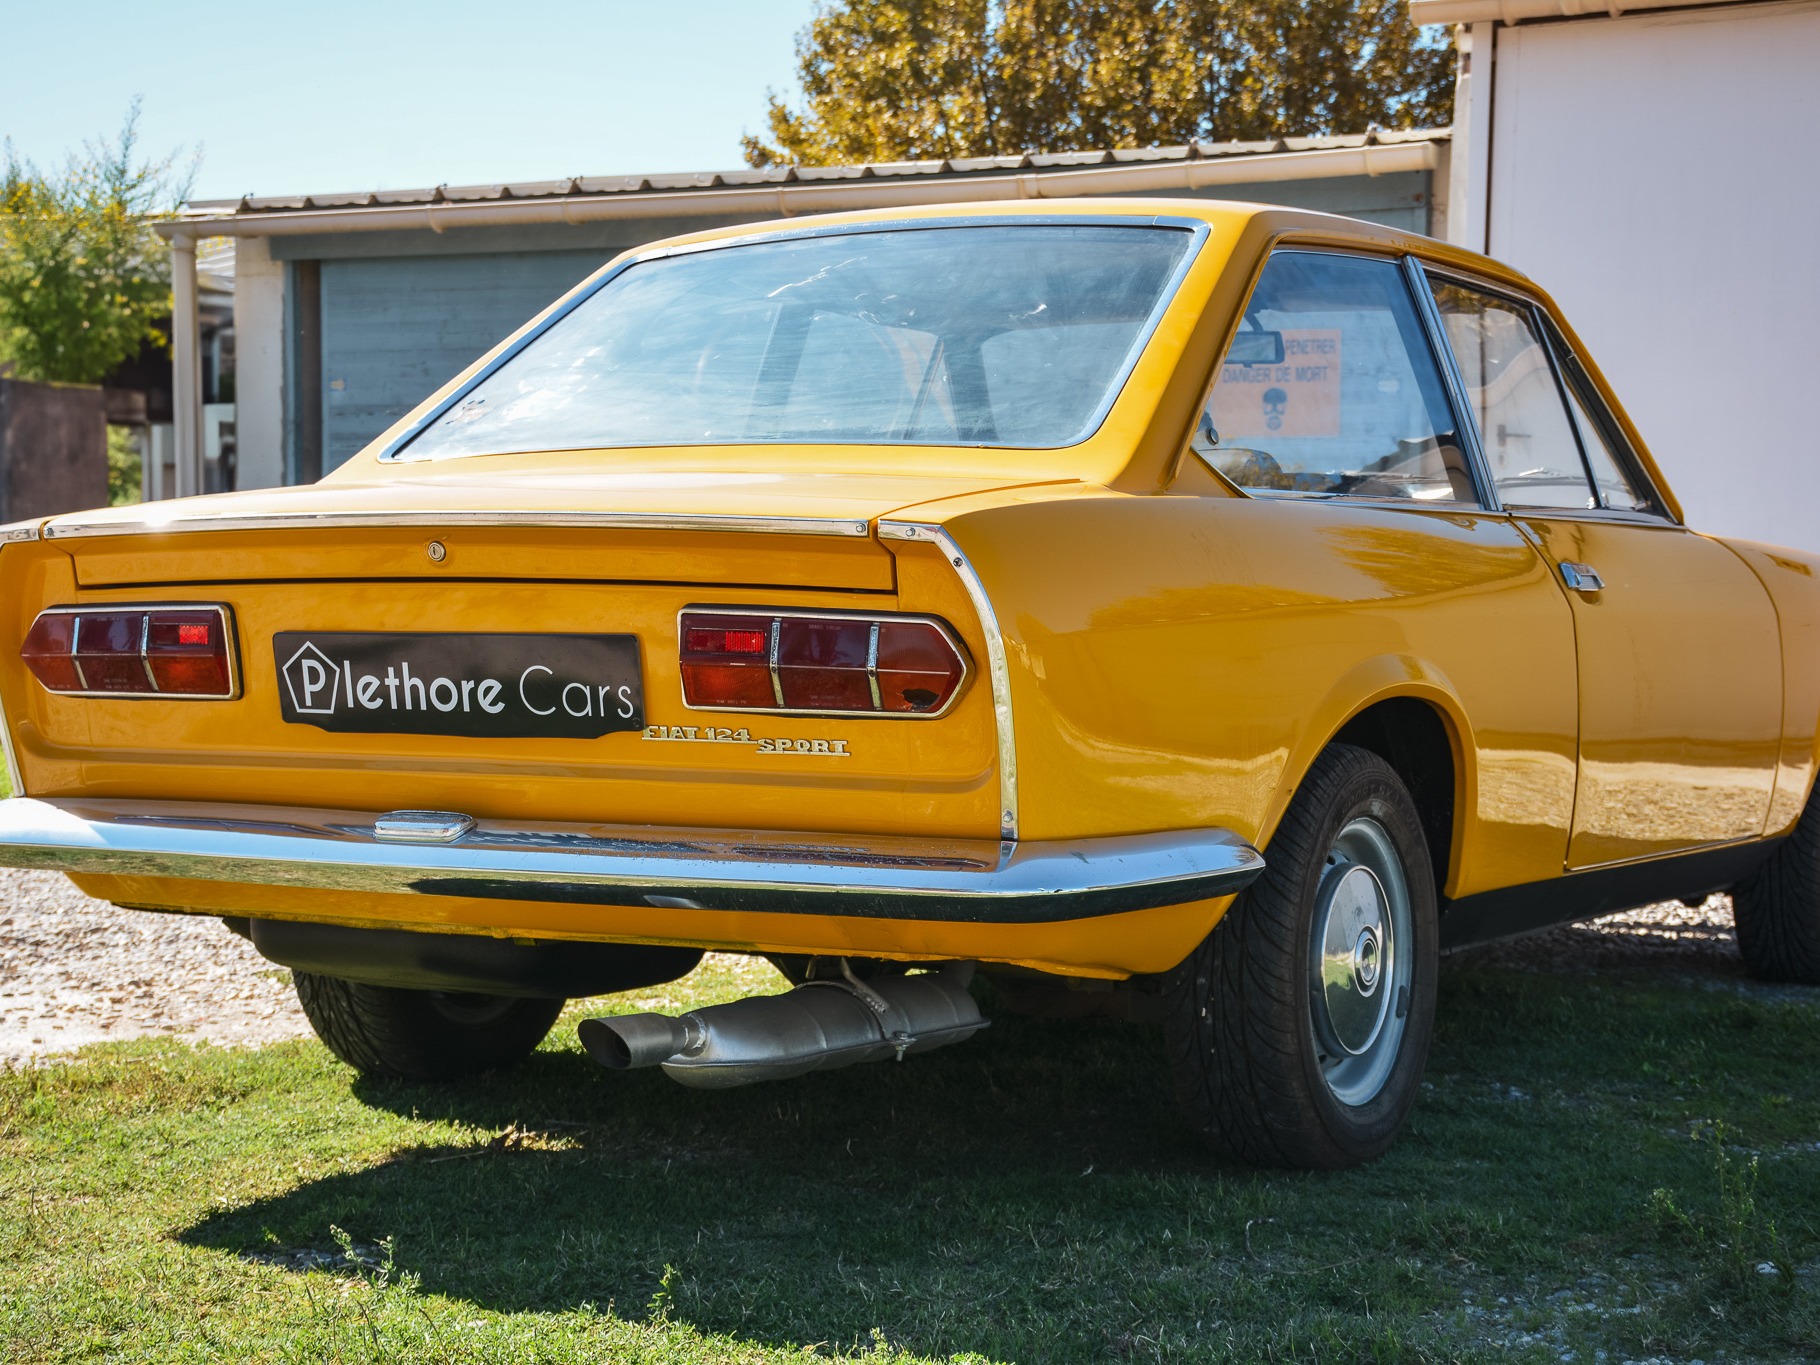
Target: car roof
[1236, 216]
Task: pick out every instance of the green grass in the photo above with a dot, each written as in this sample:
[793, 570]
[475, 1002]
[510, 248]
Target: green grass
[1597, 1164]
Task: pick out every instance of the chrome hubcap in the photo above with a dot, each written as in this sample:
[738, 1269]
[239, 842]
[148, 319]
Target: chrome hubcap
[1358, 960]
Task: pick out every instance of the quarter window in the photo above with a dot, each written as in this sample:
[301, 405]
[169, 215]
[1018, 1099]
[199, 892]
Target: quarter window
[1529, 441]
[1330, 388]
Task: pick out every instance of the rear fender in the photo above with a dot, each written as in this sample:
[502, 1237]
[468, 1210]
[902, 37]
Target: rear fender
[1367, 684]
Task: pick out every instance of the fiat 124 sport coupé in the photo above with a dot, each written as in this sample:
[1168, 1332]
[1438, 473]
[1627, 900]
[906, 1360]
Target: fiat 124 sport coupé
[1203, 613]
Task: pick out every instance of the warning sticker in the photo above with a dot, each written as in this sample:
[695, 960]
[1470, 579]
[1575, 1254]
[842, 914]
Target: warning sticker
[1300, 397]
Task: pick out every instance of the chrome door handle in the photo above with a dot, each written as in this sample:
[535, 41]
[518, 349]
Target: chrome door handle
[1581, 577]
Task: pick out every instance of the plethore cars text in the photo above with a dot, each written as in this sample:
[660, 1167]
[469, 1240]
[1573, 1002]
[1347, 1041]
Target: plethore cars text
[1205, 614]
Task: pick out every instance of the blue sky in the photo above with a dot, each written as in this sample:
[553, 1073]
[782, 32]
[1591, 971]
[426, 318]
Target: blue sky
[334, 95]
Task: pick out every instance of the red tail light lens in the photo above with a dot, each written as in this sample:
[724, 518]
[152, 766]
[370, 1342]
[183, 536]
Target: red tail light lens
[137, 652]
[857, 665]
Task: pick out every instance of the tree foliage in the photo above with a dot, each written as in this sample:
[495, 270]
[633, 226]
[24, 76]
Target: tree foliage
[891, 80]
[84, 281]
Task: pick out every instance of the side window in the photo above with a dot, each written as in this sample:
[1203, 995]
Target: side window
[1606, 455]
[1529, 440]
[1329, 387]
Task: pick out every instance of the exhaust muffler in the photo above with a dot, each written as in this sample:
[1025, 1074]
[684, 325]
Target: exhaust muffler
[817, 1026]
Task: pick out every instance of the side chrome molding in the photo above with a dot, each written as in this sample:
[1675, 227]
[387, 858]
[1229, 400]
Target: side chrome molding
[204, 520]
[997, 667]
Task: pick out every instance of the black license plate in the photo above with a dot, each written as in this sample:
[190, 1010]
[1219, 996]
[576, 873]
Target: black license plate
[486, 686]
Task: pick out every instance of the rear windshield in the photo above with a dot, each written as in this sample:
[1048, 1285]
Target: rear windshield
[1015, 335]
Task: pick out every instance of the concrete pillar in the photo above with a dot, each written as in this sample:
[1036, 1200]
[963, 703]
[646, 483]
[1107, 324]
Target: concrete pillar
[186, 349]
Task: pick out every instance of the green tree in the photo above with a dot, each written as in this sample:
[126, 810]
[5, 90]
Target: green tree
[889, 80]
[84, 281]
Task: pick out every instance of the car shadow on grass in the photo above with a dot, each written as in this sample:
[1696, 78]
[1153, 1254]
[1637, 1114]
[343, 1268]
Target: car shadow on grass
[1015, 1196]
[1034, 1194]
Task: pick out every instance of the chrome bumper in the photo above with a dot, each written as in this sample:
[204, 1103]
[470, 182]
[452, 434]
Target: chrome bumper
[983, 881]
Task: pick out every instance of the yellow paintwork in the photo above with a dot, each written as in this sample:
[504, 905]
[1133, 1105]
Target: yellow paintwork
[1179, 652]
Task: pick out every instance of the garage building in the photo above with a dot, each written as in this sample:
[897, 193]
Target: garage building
[349, 309]
[1651, 165]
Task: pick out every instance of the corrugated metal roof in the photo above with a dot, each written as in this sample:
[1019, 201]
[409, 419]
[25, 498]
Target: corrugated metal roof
[592, 186]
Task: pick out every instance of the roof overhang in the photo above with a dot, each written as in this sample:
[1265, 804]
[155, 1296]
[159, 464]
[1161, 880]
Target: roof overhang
[1152, 171]
[1515, 11]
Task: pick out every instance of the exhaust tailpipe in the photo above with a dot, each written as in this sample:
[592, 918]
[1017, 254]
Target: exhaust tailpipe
[817, 1026]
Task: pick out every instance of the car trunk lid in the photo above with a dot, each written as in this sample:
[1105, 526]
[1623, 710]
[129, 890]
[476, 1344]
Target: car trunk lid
[707, 526]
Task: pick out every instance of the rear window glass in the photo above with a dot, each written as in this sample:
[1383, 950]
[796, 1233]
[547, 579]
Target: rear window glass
[1015, 335]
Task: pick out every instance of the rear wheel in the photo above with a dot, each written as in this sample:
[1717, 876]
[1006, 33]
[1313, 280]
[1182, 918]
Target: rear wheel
[1298, 1030]
[1777, 908]
[422, 1035]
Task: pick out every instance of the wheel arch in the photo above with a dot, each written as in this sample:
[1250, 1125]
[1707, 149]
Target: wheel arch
[1407, 714]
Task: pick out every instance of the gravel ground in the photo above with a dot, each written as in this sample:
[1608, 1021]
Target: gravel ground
[75, 970]
[1670, 938]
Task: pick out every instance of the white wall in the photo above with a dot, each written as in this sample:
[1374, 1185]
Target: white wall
[259, 364]
[1658, 174]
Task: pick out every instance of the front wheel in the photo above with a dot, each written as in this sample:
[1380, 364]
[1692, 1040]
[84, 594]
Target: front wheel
[422, 1035]
[1299, 1028]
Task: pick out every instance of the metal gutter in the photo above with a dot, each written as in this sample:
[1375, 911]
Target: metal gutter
[1515, 11]
[939, 880]
[785, 200]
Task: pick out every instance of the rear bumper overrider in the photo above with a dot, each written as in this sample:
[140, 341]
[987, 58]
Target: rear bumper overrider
[873, 877]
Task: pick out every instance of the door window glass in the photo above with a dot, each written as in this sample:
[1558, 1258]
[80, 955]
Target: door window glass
[1606, 456]
[1614, 485]
[1330, 388]
[1529, 441]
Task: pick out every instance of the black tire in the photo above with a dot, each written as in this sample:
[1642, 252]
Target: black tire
[1777, 908]
[422, 1035]
[1253, 1027]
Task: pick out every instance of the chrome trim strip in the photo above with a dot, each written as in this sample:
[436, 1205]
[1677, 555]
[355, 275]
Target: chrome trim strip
[1465, 416]
[145, 650]
[878, 701]
[1198, 229]
[866, 877]
[17, 531]
[772, 656]
[177, 522]
[778, 615]
[997, 666]
[229, 633]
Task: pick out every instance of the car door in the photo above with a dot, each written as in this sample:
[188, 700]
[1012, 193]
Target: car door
[1363, 561]
[1680, 669]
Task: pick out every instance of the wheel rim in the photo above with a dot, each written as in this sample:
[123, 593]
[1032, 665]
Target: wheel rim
[1360, 962]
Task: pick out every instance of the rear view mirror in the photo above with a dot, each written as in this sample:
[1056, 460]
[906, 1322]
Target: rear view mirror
[1256, 348]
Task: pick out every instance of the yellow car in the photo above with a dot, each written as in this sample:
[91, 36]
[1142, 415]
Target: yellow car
[1203, 613]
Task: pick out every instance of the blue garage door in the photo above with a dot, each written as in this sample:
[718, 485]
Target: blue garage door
[395, 330]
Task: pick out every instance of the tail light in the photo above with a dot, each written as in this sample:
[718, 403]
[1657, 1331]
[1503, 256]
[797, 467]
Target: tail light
[821, 663]
[185, 651]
